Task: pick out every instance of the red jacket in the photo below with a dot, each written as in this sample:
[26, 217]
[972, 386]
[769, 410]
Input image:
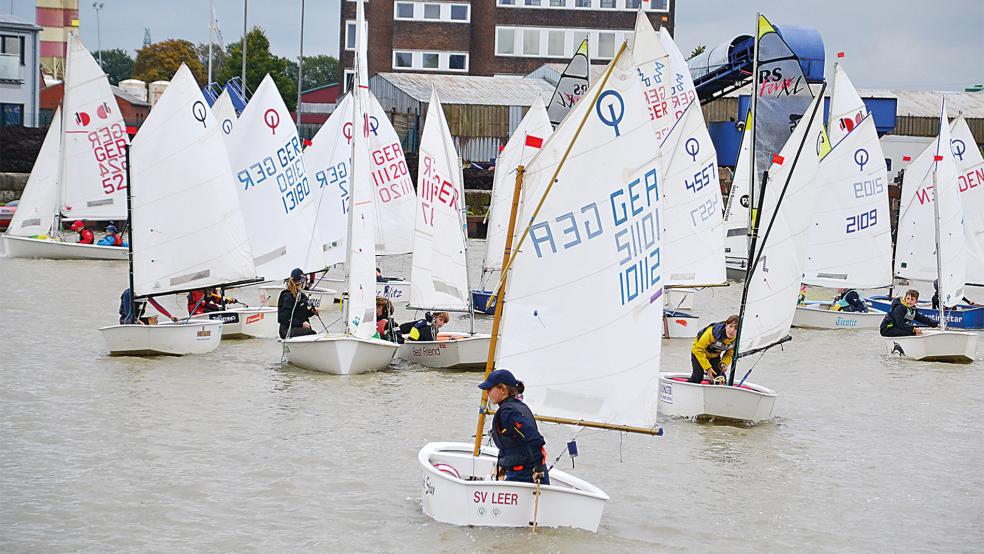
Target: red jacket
[86, 237]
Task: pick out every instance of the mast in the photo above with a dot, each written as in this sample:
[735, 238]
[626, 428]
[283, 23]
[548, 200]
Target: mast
[129, 223]
[56, 224]
[211, 25]
[936, 217]
[464, 231]
[753, 102]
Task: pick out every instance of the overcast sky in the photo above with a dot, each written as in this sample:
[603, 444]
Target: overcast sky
[888, 43]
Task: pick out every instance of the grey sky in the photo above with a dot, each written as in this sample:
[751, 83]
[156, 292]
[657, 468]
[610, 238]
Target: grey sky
[888, 43]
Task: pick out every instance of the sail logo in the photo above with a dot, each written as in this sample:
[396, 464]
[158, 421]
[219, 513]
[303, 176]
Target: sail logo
[108, 145]
[869, 187]
[607, 112]
[861, 157]
[971, 179]
[959, 148]
[199, 113]
[371, 126]
[692, 147]
[272, 120]
[702, 178]
[435, 191]
[227, 126]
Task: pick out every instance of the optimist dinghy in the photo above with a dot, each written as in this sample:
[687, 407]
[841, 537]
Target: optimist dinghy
[783, 203]
[542, 340]
[187, 232]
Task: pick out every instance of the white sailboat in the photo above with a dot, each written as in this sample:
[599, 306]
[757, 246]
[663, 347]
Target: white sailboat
[439, 270]
[573, 232]
[736, 212]
[225, 113]
[772, 285]
[526, 142]
[970, 181]
[930, 193]
[355, 350]
[851, 239]
[187, 230]
[80, 170]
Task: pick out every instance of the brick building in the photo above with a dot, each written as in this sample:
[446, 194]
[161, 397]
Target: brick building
[133, 109]
[490, 37]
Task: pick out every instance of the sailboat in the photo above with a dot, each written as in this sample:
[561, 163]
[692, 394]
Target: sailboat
[439, 270]
[581, 216]
[573, 83]
[355, 350]
[930, 193]
[187, 231]
[79, 173]
[737, 215]
[526, 141]
[851, 240]
[776, 256]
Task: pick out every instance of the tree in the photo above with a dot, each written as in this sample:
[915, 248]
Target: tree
[117, 64]
[160, 61]
[319, 70]
[698, 50]
[259, 62]
[219, 58]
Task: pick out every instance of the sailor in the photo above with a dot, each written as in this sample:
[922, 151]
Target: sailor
[379, 276]
[848, 300]
[203, 301]
[112, 237]
[522, 452]
[898, 320]
[137, 317]
[425, 329]
[712, 350]
[386, 326]
[85, 235]
[293, 309]
[936, 296]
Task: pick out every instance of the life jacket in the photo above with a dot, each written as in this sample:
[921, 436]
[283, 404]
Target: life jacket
[196, 305]
[86, 236]
[718, 346]
[515, 434]
[117, 239]
[840, 301]
[419, 330]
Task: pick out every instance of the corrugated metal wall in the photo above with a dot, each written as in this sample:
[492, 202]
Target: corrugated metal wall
[930, 126]
[722, 109]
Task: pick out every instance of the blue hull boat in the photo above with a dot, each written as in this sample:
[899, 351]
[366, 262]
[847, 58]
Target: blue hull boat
[960, 317]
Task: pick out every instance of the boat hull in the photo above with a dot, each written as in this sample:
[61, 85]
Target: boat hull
[339, 354]
[749, 403]
[317, 297]
[451, 351]
[396, 291]
[449, 496]
[169, 339]
[935, 346]
[817, 315]
[244, 323]
[25, 247]
[961, 317]
[681, 325]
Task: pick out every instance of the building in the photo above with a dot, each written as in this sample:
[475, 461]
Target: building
[58, 18]
[316, 106]
[490, 37]
[133, 109]
[20, 80]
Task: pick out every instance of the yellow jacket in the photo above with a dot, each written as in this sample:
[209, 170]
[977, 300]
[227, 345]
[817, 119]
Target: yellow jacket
[707, 348]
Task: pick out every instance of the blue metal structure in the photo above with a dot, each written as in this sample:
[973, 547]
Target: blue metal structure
[234, 87]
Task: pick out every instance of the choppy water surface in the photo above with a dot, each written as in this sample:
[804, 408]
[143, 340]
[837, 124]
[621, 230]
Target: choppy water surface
[238, 452]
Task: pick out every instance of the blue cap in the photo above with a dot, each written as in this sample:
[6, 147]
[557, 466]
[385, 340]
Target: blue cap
[296, 274]
[499, 377]
[111, 228]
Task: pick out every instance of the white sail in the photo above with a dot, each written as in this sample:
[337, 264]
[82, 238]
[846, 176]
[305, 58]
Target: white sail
[395, 200]
[188, 231]
[949, 218]
[785, 217]
[851, 238]
[438, 275]
[571, 86]
[225, 113]
[970, 178]
[847, 110]
[693, 227]
[93, 180]
[526, 141]
[275, 193]
[736, 212]
[361, 259]
[596, 237]
[327, 160]
[36, 209]
[667, 87]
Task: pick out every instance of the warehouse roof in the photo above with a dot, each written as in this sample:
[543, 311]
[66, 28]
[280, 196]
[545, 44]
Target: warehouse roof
[470, 89]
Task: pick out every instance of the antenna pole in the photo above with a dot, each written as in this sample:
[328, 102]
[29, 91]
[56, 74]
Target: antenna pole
[245, 12]
[300, 71]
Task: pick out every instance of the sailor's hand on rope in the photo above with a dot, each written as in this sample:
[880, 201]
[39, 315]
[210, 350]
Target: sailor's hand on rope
[306, 325]
[538, 471]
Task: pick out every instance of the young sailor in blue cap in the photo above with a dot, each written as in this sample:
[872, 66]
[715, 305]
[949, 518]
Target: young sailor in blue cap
[522, 456]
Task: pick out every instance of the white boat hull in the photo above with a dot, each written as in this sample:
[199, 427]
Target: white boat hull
[682, 326]
[317, 297]
[244, 323]
[167, 339]
[749, 403]
[451, 351]
[680, 299]
[449, 496]
[339, 354]
[935, 346]
[818, 315]
[24, 247]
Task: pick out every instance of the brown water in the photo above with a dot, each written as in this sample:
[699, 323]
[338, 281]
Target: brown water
[236, 451]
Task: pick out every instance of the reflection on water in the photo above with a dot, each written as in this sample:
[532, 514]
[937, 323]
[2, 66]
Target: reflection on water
[236, 451]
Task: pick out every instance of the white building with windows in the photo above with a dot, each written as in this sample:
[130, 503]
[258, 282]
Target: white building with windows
[20, 72]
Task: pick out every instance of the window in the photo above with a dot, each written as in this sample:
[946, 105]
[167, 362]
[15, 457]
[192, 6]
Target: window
[634, 4]
[459, 12]
[531, 42]
[558, 3]
[404, 10]
[505, 40]
[349, 78]
[555, 43]
[606, 45]
[607, 4]
[458, 61]
[13, 46]
[430, 61]
[622, 5]
[532, 2]
[11, 114]
[507, 2]
[350, 34]
[582, 3]
[403, 59]
[432, 11]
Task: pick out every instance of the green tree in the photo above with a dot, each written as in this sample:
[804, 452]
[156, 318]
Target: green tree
[117, 64]
[219, 58]
[698, 50]
[159, 61]
[319, 71]
[260, 62]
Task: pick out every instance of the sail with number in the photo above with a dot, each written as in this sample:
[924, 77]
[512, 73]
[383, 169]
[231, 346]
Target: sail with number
[275, 192]
[92, 176]
[36, 209]
[970, 178]
[526, 141]
[664, 76]
[438, 275]
[573, 82]
[597, 235]
[736, 212]
[847, 110]
[773, 281]
[932, 177]
[329, 167]
[188, 231]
